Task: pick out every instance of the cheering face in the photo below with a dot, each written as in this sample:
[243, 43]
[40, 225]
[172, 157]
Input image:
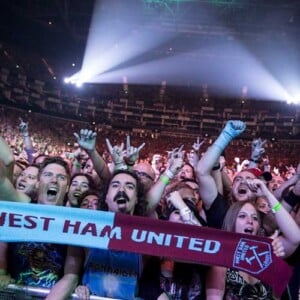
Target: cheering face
[263, 205]
[122, 194]
[89, 169]
[53, 185]
[90, 202]
[175, 216]
[26, 182]
[240, 189]
[16, 173]
[247, 220]
[185, 173]
[78, 185]
[275, 183]
[195, 187]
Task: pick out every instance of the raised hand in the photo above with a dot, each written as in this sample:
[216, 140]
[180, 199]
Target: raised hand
[193, 158]
[197, 145]
[257, 149]
[175, 199]
[234, 128]
[23, 127]
[258, 187]
[116, 152]
[277, 245]
[175, 162]
[132, 153]
[86, 139]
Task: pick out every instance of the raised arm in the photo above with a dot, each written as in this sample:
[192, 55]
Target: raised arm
[186, 215]
[87, 141]
[7, 158]
[257, 150]
[208, 189]
[293, 196]
[193, 155]
[117, 153]
[288, 227]
[132, 153]
[154, 195]
[7, 190]
[23, 127]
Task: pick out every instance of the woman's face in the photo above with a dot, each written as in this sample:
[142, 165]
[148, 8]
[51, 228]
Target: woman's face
[263, 205]
[90, 202]
[247, 220]
[175, 216]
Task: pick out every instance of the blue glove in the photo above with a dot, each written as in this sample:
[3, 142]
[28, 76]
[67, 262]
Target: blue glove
[234, 128]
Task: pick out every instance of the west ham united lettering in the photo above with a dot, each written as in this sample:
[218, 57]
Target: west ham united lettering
[106, 230]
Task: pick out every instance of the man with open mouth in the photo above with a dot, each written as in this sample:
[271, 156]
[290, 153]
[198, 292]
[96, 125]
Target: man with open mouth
[106, 273]
[51, 185]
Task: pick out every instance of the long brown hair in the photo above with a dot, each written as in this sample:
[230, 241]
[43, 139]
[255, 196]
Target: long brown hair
[232, 214]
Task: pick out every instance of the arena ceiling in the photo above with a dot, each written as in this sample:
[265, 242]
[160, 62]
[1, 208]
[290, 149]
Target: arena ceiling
[27, 21]
[58, 29]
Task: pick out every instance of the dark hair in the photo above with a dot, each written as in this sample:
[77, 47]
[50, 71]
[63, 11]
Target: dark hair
[140, 208]
[38, 166]
[90, 179]
[193, 170]
[37, 157]
[189, 202]
[190, 180]
[88, 193]
[22, 164]
[55, 160]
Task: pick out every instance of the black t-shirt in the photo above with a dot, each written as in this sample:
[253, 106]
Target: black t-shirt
[216, 213]
[187, 282]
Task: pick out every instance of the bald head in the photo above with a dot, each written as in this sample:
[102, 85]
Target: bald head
[146, 174]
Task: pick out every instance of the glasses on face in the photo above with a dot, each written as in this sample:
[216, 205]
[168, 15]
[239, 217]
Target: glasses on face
[143, 174]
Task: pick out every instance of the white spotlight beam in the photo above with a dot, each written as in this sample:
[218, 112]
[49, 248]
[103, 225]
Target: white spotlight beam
[111, 42]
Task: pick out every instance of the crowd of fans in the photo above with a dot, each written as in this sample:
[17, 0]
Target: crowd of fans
[222, 180]
[193, 183]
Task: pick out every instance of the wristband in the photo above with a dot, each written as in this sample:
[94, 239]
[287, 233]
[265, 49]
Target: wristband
[255, 161]
[276, 207]
[217, 167]
[165, 179]
[185, 211]
[129, 163]
[77, 164]
[169, 174]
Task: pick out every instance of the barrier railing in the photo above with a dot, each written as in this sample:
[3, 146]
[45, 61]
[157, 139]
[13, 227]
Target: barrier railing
[23, 292]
